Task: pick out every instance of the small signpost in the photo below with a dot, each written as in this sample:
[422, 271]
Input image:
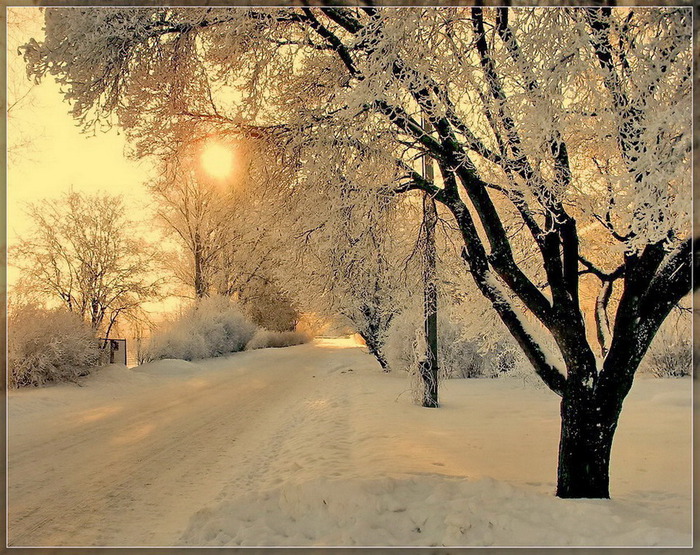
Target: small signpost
[116, 349]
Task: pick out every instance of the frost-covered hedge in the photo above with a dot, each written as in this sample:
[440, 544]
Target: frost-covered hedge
[267, 338]
[48, 346]
[459, 356]
[212, 327]
[405, 347]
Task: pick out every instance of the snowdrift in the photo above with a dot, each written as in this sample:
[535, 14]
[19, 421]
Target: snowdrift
[428, 510]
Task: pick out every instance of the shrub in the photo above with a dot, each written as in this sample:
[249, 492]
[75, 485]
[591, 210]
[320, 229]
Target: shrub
[403, 344]
[48, 346]
[267, 306]
[671, 359]
[458, 356]
[507, 359]
[212, 327]
[670, 354]
[266, 338]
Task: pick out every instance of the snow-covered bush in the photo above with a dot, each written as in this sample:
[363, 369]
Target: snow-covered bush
[267, 338]
[674, 361]
[48, 346]
[213, 326]
[671, 358]
[268, 306]
[458, 356]
[670, 354]
[402, 344]
[506, 359]
[462, 353]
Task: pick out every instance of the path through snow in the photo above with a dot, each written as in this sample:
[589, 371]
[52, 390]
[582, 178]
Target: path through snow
[313, 445]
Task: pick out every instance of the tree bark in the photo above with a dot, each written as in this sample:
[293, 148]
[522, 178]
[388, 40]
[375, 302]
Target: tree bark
[200, 285]
[587, 431]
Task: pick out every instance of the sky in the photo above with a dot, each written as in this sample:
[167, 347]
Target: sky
[48, 155]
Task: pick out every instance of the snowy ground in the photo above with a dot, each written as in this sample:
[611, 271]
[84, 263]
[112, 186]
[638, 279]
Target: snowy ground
[313, 445]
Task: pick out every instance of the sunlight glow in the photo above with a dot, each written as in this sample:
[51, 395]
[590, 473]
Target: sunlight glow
[217, 160]
[345, 342]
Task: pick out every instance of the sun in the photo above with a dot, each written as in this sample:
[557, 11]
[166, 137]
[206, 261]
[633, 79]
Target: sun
[217, 160]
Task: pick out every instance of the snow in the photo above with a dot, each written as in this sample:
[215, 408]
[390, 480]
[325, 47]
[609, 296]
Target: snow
[314, 445]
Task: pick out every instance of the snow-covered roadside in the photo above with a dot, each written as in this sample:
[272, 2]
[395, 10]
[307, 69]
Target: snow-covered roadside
[366, 467]
[342, 457]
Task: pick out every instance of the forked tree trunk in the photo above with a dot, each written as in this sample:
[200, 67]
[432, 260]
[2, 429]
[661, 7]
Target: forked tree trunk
[585, 443]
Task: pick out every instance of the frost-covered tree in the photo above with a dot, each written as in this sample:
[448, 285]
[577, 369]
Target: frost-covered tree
[252, 250]
[346, 256]
[225, 230]
[197, 215]
[82, 252]
[549, 125]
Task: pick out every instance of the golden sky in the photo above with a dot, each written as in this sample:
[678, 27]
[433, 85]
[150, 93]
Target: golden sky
[47, 154]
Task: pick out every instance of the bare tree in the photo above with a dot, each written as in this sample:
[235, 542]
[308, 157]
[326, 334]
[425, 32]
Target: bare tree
[197, 215]
[82, 252]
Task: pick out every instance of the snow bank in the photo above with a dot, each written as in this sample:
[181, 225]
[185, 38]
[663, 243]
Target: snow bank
[428, 510]
[168, 367]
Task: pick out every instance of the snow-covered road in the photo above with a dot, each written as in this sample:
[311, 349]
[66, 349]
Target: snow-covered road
[132, 462]
[314, 445]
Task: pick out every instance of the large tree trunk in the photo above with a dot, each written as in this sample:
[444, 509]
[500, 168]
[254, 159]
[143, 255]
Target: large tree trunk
[587, 431]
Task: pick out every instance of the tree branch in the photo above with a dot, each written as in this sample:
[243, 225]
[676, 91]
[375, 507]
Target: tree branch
[333, 40]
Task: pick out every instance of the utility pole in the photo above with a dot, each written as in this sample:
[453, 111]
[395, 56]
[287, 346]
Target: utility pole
[429, 365]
